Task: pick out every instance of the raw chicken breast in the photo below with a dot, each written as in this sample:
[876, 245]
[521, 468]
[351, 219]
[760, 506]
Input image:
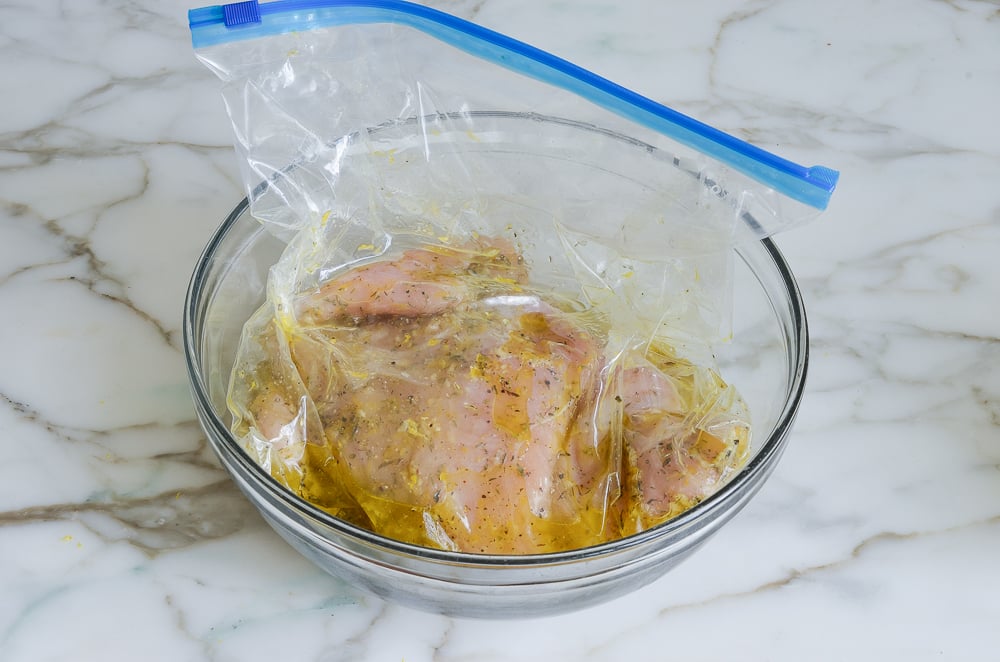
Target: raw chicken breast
[462, 410]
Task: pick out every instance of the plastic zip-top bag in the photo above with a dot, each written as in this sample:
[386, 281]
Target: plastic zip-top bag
[491, 329]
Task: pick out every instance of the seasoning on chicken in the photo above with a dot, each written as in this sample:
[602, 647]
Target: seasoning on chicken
[439, 399]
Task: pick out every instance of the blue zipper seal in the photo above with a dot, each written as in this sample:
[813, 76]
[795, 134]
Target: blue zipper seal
[241, 13]
[220, 24]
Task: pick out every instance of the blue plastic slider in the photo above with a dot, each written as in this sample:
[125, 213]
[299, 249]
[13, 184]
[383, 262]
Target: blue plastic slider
[241, 13]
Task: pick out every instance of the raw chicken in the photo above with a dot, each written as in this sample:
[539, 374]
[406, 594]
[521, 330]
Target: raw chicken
[462, 410]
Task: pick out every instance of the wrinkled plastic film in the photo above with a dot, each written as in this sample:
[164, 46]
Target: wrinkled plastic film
[358, 76]
[491, 329]
[811, 186]
[460, 406]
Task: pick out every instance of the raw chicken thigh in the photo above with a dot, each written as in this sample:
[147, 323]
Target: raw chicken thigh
[438, 399]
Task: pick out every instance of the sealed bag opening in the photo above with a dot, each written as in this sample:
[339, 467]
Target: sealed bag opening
[492, 327]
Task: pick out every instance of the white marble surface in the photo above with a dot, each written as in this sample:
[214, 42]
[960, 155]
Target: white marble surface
[877, 538]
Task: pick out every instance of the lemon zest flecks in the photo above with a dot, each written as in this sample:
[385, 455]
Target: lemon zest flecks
[410, 427]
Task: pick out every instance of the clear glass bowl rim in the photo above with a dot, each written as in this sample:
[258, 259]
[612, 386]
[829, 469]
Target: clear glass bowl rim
[772, 447]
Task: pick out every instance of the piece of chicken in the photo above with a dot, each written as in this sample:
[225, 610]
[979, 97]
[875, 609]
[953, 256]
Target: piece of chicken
[419, 282]
[678, 451]
[461, 410]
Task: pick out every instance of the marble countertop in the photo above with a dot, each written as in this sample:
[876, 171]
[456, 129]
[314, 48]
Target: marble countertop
[877, 537]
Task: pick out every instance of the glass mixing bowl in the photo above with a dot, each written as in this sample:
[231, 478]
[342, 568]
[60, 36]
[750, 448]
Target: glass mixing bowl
[766, 361]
